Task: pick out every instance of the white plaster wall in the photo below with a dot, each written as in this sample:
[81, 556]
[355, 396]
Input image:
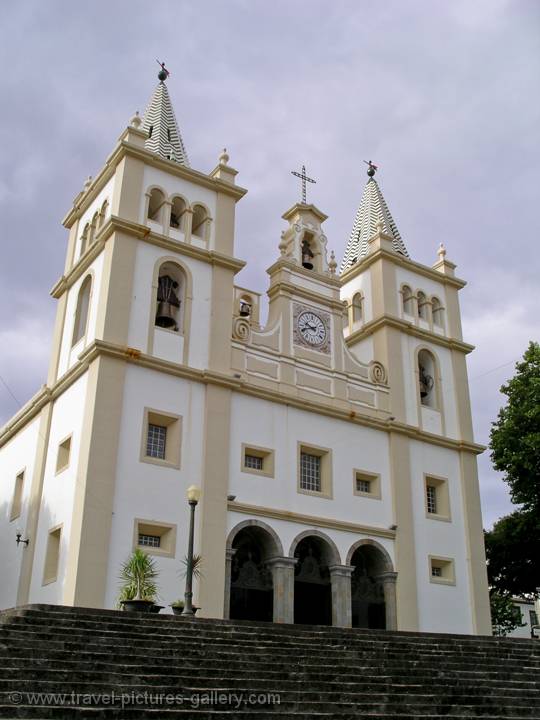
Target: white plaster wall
[363, 350]
[15, 456]
[173, 185]
[360, 283]
[140, 322]
[278, 427]
[106, 193]
[148, 491]
[58, 489]
[418, 282]
[441, 608]
[69, 352]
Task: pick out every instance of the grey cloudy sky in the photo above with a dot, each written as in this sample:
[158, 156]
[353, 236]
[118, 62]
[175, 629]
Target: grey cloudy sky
[444, 96]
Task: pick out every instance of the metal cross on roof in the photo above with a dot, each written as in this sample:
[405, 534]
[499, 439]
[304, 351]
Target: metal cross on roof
[304, 178]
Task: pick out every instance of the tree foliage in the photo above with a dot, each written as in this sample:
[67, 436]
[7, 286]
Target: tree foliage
[505, 616]
[515, 436]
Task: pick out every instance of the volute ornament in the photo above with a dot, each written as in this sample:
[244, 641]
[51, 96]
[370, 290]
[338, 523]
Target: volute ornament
[377, 372]
[241, 329]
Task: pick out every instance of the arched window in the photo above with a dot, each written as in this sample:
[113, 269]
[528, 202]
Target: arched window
[103, 213]
[357, 310]
[427, 378]
[93, 229]
[437, 312]
[198, 223]
[155, 205]
[84, 238]
[422, 305]
[170, 297]
[81, 312]
[178, 210]
[407, 300]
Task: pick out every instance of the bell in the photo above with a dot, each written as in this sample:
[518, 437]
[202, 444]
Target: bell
[308, 265]
[245, 309]
[165, 316]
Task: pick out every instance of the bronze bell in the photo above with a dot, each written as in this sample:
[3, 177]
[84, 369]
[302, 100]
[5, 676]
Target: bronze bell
[165, 316]
[307, 255]
[245, 309]
[168, 302]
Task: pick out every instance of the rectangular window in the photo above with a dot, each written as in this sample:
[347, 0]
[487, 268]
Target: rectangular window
[253, 462]
[310, 472]
[16, 505]
[64, 452]
[363, 486]
[367, 484]
[149, 540]
[441, 570]
[431, 499]
[156, 441]
[52, 556]
[436, 571]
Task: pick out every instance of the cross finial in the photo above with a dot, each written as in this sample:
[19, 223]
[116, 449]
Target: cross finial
[372, 169]
[304, 178]
[163, 74]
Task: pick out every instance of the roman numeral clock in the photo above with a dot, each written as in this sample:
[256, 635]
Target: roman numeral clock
[311, 328]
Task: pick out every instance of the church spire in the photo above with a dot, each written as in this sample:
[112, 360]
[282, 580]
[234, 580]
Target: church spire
[372, 211]
[160, 123]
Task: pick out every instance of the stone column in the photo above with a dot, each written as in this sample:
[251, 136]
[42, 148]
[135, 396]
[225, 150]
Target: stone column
[283, 582]
[340, 577]
[388, 580]
[229, 554]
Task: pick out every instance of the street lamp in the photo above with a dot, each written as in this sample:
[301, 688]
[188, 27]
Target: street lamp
[193, 496]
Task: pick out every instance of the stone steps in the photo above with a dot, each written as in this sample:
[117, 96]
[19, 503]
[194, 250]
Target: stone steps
[317, 672]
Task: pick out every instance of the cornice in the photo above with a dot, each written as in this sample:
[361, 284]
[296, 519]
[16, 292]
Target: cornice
[311, 520]
[408, 328]
[25, 414]
[135, 356]
[145, 234]
[402, 261]
[125, 148]
[284, 263]
[291, 289]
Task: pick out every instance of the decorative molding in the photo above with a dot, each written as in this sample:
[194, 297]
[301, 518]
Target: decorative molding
[377, 372]
[241, 329]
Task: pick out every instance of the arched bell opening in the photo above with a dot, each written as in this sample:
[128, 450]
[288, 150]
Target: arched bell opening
[368, 608]
[199, 221]
[245, 306]
[310, 252]
[170, 294]
[427, 379]
[251, 595]
[178, 213]
[312, 582]
[156, 203]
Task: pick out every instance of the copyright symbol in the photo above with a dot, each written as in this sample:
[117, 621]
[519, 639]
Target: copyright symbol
[16, 698]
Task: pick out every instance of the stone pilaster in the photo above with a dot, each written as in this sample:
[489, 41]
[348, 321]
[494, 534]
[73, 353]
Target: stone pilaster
[340, 577]
[283, 582]
[388, 580]
[229, 554]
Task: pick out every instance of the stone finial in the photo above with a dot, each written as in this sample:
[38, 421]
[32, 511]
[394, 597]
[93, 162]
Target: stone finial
[332, 265]
[87, 183]
[136, 120]
[224, 157]
[380, 226]
[441, 252]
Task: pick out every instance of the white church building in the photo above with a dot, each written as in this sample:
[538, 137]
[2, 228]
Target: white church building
[333, 443]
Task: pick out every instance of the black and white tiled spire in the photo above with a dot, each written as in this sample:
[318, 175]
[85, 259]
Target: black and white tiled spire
[160, 123]
[373, 209]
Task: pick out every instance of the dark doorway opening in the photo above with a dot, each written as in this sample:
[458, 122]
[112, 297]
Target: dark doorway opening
[367, 590]
[251, 579]
[312, 587]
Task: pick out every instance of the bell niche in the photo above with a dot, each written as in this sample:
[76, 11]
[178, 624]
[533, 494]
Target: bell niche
[169, 298]
[304, 241]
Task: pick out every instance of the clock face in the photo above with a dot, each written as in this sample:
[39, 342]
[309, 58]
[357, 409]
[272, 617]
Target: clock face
[312, 328]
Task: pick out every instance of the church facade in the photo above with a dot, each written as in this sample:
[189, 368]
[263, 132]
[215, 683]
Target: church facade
[332, 444]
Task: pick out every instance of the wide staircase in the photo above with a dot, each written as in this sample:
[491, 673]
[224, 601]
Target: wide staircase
[62, 662]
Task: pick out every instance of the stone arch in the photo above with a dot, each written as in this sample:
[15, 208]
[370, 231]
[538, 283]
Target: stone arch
[156, 200]
[278, 547]
[200, 220]
[179, 205]
[335, 558]
[389, 565]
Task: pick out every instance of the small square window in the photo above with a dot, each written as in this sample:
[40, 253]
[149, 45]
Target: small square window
[156, 538]
[437, 501]
[63, 456]
[156, 441]
[441, 570]
[257, 460]
[161, 438]
[314, 470]
[367, 484]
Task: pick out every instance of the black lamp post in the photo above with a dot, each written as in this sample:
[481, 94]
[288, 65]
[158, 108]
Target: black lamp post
[193, 496]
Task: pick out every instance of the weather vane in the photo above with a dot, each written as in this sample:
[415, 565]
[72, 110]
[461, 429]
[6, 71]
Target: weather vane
[304, 178]
[163, 74]
[372, 169]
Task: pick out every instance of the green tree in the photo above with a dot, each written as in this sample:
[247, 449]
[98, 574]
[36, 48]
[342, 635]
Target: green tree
[515, 436]
[505, 616]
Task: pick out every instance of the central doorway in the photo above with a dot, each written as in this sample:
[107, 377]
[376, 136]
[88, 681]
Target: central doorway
[367, 590]
[312, 585]
[251, 580]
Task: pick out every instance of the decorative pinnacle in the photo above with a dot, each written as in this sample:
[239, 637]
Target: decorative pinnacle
[441, 252]
[224, 157]
[304, 178]
[136, 120]
[332, 265]
[163, 74]
[372, 169]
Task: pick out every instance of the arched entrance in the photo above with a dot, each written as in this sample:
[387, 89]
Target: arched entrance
[368, 602]
[251, 585]
[312, 582]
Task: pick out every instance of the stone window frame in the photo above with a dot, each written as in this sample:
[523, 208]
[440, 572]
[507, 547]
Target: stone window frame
[447, 566]
[173, 442]
[17, 497]
[326, 469]
[166, 531]
[268, 458]
[442, 497]
[373, 478]
[63, 454]
[52, 555]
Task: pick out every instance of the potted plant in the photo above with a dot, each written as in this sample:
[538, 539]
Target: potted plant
[177, 607]
[138, 591]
